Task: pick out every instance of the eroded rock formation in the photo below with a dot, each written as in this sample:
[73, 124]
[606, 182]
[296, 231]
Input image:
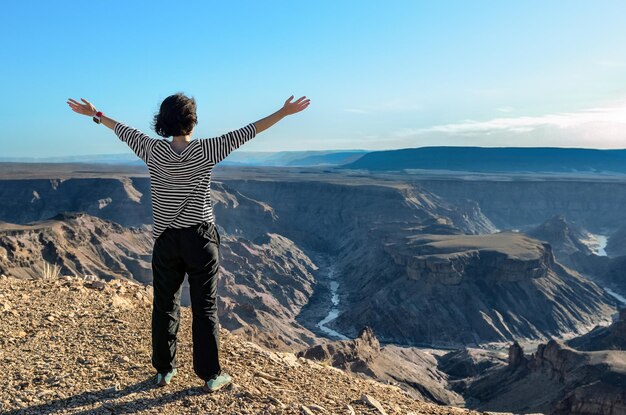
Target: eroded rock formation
[412, 369]
[412, 287]
[556, 379]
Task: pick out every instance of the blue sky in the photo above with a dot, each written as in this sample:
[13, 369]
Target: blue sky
[379, 74]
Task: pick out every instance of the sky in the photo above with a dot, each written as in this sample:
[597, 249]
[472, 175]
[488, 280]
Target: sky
[380, 75]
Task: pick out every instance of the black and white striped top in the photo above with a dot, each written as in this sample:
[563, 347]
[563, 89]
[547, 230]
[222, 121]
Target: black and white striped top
[180, 184]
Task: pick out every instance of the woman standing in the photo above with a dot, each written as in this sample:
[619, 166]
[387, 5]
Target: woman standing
[186, 240]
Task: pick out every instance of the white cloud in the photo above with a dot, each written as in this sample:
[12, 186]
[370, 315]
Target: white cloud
[602, 119]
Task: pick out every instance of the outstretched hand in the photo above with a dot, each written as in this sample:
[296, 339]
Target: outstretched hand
[296, 106]
[86, 109]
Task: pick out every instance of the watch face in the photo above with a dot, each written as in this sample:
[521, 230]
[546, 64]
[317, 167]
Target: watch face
[96, 120]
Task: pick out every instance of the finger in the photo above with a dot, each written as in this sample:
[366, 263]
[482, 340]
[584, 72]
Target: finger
[299, 100]
[289, 99]
[85, 101]
[77, 103]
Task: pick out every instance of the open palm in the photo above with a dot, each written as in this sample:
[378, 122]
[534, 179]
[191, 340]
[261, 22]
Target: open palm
[86, 109]
[296, 106]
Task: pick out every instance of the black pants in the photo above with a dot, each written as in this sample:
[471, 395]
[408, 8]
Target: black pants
[195, 251]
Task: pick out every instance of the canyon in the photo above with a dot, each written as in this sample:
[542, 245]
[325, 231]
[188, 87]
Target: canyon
[432, 265]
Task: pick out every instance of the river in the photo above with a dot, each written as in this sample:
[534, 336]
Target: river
[602, 241]
[600, 250]
[334, 308]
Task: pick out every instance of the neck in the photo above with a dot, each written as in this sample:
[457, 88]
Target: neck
[181, 138]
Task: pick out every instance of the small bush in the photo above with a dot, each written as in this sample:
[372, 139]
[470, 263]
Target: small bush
[50, 271]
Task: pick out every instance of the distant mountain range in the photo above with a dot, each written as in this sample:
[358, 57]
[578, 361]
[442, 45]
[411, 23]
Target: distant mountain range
[238, 158]
[469, 159]
[294, 158]
[118, 158]
[504, 159]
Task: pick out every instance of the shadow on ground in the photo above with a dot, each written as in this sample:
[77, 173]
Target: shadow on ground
[106, 398]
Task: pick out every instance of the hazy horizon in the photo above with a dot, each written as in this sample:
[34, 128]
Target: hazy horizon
[380, 76]
[243, 154]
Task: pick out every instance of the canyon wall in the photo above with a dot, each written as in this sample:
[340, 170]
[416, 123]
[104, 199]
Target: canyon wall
[406, 288]
[412, 287]
[593, 204]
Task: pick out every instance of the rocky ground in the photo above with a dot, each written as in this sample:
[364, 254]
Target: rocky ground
[71, 345]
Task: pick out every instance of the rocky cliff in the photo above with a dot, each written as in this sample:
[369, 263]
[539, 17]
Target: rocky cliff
[469, 363]
[608, 271]
[326, 206]
[323, 216]
[595, 204]
[79, 244]
[611, 337]
[412, 369]
[273, 228]
[124, 200]
[262, 288]
[556, 379]
[565, 238]
[411, 287]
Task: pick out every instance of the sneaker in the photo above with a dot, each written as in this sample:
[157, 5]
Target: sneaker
[164, 379]
[217, 382]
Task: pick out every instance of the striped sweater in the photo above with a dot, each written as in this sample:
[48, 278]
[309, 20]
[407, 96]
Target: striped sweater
[180, 184]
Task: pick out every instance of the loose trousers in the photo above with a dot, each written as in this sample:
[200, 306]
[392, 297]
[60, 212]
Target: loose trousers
[193, 251]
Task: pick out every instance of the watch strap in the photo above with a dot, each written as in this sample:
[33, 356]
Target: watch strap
[97, 116]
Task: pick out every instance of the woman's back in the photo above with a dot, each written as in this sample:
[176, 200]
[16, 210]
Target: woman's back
[181, 182]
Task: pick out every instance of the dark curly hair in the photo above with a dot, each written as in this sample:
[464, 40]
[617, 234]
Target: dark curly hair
[177, 116]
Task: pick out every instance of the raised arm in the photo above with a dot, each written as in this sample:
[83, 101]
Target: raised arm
[288, 109]
[140, 143]
[218, 148]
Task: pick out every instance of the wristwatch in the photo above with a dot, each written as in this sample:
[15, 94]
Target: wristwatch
[96, 118]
